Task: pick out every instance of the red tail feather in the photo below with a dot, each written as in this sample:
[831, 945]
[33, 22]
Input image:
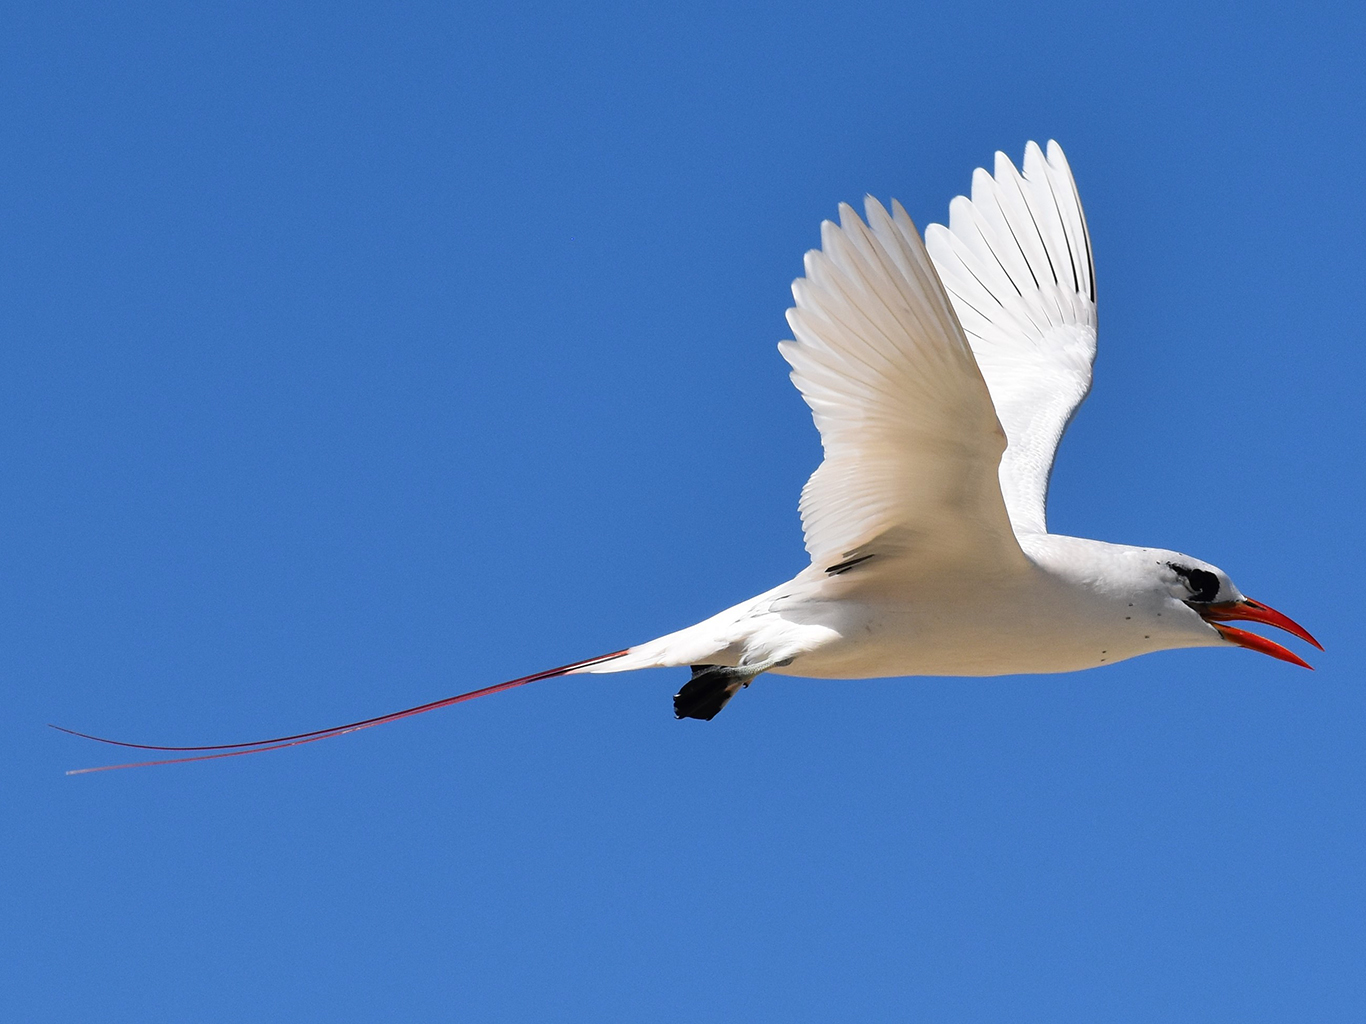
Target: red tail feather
[279, 742]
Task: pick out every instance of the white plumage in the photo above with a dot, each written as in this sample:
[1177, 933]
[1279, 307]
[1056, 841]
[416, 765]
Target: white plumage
[941, 375]
[1016, 262]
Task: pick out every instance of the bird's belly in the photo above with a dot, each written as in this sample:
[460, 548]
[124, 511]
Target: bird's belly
[944, 639]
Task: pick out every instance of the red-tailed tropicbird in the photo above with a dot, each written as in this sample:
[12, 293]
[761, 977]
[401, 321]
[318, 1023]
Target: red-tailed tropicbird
[941, 375]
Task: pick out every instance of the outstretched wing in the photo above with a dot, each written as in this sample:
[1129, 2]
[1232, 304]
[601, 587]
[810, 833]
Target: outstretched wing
[1016, 260]
[911, 440]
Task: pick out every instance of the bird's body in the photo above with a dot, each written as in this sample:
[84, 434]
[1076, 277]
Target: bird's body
[1069, 604]
[941, 374]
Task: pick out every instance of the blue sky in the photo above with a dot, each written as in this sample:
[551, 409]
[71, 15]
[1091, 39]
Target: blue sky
[357, 355]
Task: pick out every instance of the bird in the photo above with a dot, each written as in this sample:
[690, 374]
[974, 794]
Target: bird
[941, 372]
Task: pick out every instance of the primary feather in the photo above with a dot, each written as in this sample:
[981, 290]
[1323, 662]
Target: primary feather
[1016, 263]
[911, 440]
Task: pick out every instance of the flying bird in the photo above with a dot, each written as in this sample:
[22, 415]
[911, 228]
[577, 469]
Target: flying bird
[941, 373]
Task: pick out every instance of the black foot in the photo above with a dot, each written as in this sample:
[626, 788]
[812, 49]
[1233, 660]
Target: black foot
[706, 693]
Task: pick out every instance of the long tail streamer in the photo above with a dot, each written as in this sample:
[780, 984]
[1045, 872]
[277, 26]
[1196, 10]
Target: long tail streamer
[280, 742]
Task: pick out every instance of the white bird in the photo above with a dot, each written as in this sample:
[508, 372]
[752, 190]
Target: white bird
[941, 375]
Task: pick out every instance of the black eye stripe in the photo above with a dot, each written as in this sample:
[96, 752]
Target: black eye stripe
[1204, 584]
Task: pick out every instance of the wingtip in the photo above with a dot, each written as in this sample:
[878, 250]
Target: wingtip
[901, 217]
[1005, 168]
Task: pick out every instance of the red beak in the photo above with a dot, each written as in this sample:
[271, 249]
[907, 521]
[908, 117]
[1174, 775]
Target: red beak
[1255, 611]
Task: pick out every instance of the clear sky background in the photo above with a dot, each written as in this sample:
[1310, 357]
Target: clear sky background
[352, 356]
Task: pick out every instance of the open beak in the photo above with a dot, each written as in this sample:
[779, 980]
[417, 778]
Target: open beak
[1255, 611]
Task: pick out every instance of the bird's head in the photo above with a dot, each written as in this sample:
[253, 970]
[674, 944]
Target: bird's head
[1206, 591]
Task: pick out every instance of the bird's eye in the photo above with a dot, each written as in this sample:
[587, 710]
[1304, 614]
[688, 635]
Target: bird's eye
[1203, 584]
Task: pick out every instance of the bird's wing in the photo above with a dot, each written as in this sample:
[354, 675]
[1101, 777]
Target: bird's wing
[1016, 260]
[911, 440]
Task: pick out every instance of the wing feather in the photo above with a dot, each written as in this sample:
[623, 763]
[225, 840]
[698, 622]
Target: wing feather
[1016, 262]
[911, 440]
